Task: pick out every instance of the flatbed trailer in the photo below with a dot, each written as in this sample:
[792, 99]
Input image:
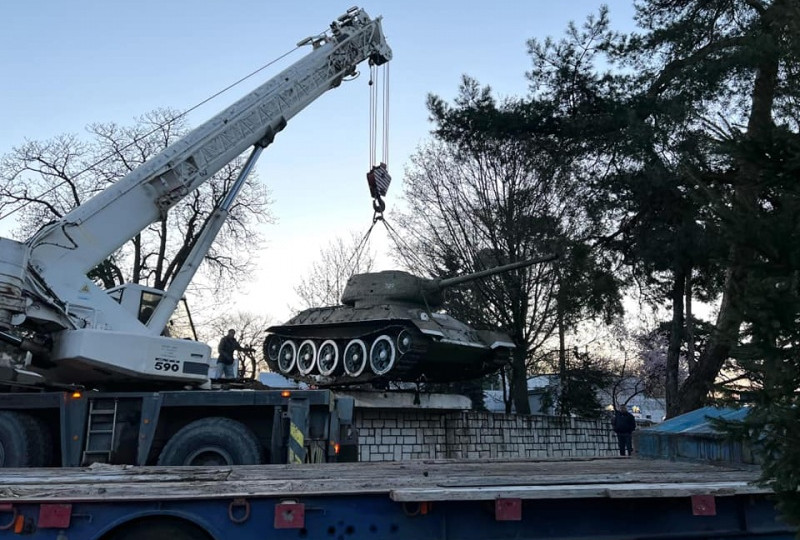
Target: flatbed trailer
[577, 498]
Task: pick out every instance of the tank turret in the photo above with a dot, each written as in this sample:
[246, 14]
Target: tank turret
[388, 328]
[396, 286]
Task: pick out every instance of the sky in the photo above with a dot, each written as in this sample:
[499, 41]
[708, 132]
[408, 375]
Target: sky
[65, 65]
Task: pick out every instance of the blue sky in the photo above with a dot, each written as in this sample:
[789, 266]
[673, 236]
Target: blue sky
[67, 64]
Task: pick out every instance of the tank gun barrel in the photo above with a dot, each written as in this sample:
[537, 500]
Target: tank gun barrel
[450, 282]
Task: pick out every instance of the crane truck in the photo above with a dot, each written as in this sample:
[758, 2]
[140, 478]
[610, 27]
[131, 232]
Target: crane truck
[121, 385]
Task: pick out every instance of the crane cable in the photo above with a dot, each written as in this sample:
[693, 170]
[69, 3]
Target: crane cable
[374, 102]
[403, 248]
[378, 178]
[359, 250]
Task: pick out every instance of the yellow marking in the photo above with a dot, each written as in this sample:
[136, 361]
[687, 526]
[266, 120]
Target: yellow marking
[296, 434]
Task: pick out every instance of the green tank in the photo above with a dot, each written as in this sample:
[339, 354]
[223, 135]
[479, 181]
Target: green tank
[388, 329]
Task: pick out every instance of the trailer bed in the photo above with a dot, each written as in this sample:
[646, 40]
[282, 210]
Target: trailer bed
[575, 499]
[434, 480]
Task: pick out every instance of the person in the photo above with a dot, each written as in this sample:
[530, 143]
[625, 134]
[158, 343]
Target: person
[624, 425]
[227, 346]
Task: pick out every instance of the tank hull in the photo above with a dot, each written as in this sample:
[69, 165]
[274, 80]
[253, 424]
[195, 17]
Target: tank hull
[344, 345]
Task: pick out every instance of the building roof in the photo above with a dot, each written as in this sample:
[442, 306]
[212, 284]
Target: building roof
[698, 421]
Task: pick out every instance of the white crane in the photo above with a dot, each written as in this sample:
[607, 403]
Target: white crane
[79, 333]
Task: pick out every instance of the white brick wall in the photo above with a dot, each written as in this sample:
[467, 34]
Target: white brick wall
[393, 434]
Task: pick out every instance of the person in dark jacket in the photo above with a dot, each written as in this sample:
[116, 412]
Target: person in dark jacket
[624, 425]
[227, 346]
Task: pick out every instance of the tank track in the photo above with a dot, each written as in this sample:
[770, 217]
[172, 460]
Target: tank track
[288, 352]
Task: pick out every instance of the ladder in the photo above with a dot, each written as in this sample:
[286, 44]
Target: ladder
[100, 431]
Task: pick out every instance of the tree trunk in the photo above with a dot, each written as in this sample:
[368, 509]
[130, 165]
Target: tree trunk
[690, 359]
[563, 395]
[694, 392]
[675, 341]
[519, 381]
[506, 390]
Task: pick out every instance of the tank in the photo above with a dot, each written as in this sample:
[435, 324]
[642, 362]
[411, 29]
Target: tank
[388, 328]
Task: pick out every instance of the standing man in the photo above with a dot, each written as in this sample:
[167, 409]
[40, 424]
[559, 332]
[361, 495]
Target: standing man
[624, 425]
[227, 346]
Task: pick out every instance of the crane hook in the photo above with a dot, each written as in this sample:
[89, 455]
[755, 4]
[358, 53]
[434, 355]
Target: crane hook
[378, 205]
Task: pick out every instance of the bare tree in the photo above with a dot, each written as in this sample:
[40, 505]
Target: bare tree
[325, 281]
[45, 180]
[636, 362]
[469, 210]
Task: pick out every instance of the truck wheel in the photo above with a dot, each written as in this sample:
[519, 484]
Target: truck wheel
[42, 438]
[17, 440]
[159, 530]
[212, 441]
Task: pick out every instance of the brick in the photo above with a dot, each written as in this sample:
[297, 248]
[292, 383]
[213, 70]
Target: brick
[406, 435]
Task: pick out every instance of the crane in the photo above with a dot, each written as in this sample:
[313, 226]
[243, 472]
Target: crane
[77, 332]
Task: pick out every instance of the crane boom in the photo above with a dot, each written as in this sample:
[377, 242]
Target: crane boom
[43, 284]
[150, 190]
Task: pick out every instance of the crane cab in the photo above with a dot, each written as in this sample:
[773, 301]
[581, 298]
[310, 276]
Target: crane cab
[140, 301]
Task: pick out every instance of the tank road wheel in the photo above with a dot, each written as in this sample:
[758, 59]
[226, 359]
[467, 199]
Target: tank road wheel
[355, 357]
[272, 347]
[328, 357]
[306, 357]
[404, 341]
[381, 355]
[212, 441]
[287, 355]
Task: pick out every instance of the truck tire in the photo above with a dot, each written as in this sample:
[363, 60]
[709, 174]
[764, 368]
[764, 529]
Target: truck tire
[146, 529]
[42, 438]
[17, 440]
[212, 441]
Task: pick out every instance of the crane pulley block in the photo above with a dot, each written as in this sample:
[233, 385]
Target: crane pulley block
[378, 179]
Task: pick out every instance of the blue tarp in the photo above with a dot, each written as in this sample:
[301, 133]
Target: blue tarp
[691, 436]
[697, 421]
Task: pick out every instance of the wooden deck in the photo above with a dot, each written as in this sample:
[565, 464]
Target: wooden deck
[402, 481]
